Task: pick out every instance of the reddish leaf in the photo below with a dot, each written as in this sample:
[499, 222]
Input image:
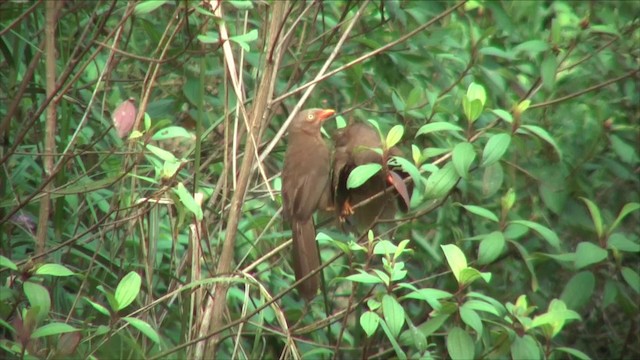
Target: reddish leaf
[124, 117]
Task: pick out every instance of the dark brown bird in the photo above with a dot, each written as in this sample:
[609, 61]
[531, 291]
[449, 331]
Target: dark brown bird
[354, 146]
[305, 180]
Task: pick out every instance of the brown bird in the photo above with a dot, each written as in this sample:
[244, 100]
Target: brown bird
[353, 147]
[305, 180]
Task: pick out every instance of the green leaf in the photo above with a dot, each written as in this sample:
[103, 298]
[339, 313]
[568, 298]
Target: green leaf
[394, 136]
[209, 38]
[384, 247]
[477, 92]
[626, 210]
[53, 329]
[573, 352]
[393, 314]
[471, 318]
[244, 39]
[579, 290]
[525, 348]
[392, 339]
[53, 270]
[495, 148]
[472, 109]
[469, 275]
[621, 243]
[144, 328]
[369, 322]
[548, 71]
[101, 309]
[503, 114]
[172, 132]
[188, 201]
[626, 152]
[39, 298]
[455, 258]
[361, 174]
[161, 153]
[398, 103]
[441, 182]
[542, 134]
[127, 290]
[480, 211]
[438, 126]
[532, 47]
[588, 254]
[241, 4]
[546, 233]
[462, 157]
[431, 296]
[632, 278]
[148, 6]
[596, 218]
[5, 262]
[460, 344]
[364, 278]
[491, 247]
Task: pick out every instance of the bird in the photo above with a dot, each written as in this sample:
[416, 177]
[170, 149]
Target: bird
[356, 145]
[305, 188]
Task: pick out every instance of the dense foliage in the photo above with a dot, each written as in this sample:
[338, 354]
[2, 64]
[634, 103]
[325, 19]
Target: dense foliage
[141, 150]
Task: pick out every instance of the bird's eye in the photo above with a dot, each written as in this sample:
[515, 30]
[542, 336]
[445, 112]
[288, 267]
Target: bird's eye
[310, 117]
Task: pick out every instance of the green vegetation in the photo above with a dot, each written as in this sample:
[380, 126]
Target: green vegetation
[152, 227]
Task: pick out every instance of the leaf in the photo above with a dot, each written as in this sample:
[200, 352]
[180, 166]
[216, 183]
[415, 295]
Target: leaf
[470, 275]
[364, 278]
[588, 254]
[462, 157]
[127, 290]
[244, 39]
[578, 291]
[480, 211]
[148, 6]
[241, 4]
[393, 314]
[460, 344]
[54, 270]
[394, 136]
[546, 233]
[596, 218]
[369, 322]
[101, 309]
[52, 329]
[164, 155]
[171, 132]
[573, 352]
[431, 296]
[400, 186]
[398, 103]
[472, 109]
[39, 298]
[626, 210]
[548, 71]
[621, 243]
[7, 263]
[477, 92]
[189, 201]
[532, 47]
[124, 116]
[384, 247]
[361, 174]
[542, 134]
[502, 114]
[471, 318]
[495, 149]
[632, 278]
[441, 182]
[438, 126]
[525, 348]
[491, 247]
[455, 258]
[144, 328]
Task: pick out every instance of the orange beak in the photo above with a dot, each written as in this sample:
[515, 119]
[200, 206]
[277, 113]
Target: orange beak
[324, 114]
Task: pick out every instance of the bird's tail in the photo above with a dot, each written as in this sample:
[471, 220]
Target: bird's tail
[305, 257]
